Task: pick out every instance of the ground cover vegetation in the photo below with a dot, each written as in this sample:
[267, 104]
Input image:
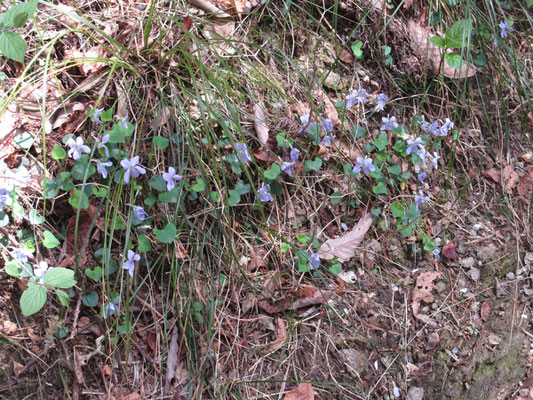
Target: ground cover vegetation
[259, 200]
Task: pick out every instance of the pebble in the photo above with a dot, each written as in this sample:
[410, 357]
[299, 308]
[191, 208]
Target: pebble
[474, 274]
[461, 248]
[415, 393]
[510, 275]
[467, 262]
[486, 252]
[354, 360]
[433, 340]
[441, 285]
[528, 259]
[523, 392]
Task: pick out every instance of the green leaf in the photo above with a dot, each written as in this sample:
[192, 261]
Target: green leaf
[368, 147]
[214, 196]
[356, 48]
[33, 299]
[234, 198]
[458, 34]
[94, 274]
[397, 209]
[381, 142]
[302, 238]
[100, 191]
[283, 140]
[284, 247]
[395, 169]
[79, 199]
[12, 269]
[452, 3]
[58, 152]
[199, 186]
[170, 197]
[91, 299]
[35, 219]
[454, 60]
[144, 244]
[438, 41]
[380, 188]
[161, 142]
[63, 297]
[336, 197]
[273, 173]
[359, 131]
[60, 277]
[50, 241]
[313, 165]
[166, 235]
[12, 46]
[375, 211]
[335, 269]
[429, 244]
[150, 200]
[81, 166]
[158, 183]
[413, 213]
[17, 15]
[242, 188]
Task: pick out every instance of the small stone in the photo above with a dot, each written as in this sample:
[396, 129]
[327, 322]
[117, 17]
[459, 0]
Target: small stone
[486, 252]
[467, 263]
[441, 286]
[461, 248]
[524, 392]
[415, 393]
[354, 360]
[528, 259]
[510, 275]
[474, 274]
[433, 340]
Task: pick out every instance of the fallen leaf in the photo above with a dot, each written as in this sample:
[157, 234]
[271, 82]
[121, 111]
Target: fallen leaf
[260, 125]
[180, 251]
[510, 178]
[526, 183]
[84, 225]
[221, 37]
[265, 155]
[346, 55]
[208, 7]
[493, 173]
[304, 297]
[237, 6]
[329, 108]
[450, 251]
[187, 22]
[485, 311]
[344, 247]
[172, 359]
[304, 391]
[424, 48]
[422, 291]
[161, 119]
[17, 368]
[281, 336]
[9, 327]
[87, 59]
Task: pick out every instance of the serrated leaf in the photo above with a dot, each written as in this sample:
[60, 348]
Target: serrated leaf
[438, 41]
[63, 297]
[167, 234]
[12, 46]
[344, 247]
[17, 15]
[454, 60]
[50, 241]
[33, 299]
[457, 35]
[60, 277]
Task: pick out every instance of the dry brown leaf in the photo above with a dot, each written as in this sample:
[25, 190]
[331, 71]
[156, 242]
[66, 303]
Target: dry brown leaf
[450, 251]
[510, 179]
[329, 107]
[91, 67]
[424, 48]
[9, 327]
[485, 311]
[260, 125]
[220, 35]
[161, 119]
[237, 6]
[493, 174]
[17, 368]
[422, 291]
[344, 247]
[64, 114]
[304, 297]
[209, 7]
[180, 251]
[304, 391]
[172, 360]
[525, 186]
[281, 336]
[84, 224]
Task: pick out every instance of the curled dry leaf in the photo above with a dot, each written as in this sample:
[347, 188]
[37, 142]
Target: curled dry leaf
[510, 179]
[220, 36]
[172, 360]
[209, 7]
[260, 125]
[525, 186]
[281, 336]
[84, 224]
[485, 311]
[422, 291]
[493, 174]
[450, 251]
[92, 67]
[344, 247]
[307, 296]
[424, 48]
[304, 391]
[329, 107]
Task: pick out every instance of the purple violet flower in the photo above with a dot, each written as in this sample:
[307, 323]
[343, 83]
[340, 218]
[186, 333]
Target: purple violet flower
[443, 131]
[5, 197]
[295, 153]
[414, 146]
[264, 194]
[101, 167]
[434, 160]
[96, 115]
[140, 213]
[355, 97]
[326, 140]
[101, 145]
[389, 123]
[77, 147]
[506, 29]
[381, 101]
[422, 176]
[21, 254]
[132, 168]
[111, 307]
[314, 260]
[124, 123]
[129, 264]
[365, 164]
[420, 198]
[171, 178]
[242, 152]
[287, 166]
